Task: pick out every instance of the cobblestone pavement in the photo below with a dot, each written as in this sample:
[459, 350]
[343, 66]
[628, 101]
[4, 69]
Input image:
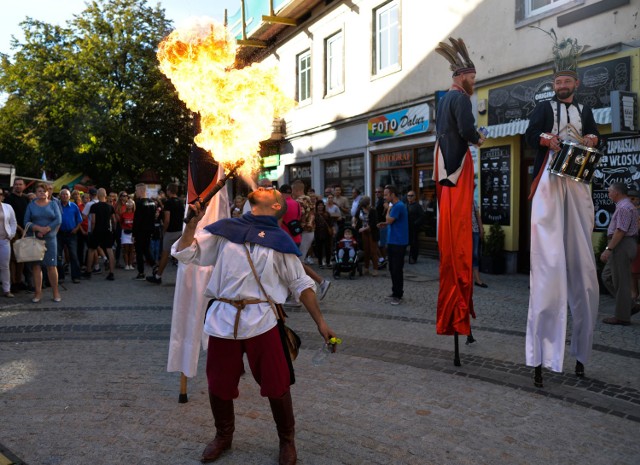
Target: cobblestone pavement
[84, 382]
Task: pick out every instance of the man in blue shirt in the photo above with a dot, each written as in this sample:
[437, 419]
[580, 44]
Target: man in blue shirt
[68, 236]
[397, 224]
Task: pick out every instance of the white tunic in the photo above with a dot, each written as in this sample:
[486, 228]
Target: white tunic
[232, 279]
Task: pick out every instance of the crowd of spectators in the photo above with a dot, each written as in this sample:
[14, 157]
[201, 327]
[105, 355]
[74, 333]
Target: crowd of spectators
[94, 232]
[86, 234]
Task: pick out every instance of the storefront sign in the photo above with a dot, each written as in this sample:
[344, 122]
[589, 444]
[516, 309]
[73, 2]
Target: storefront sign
[495, 185]
[620, 163]
[624, 111]
[517, 101]
[271, 161]
[300, 172]
[394, 159]
[413, 120]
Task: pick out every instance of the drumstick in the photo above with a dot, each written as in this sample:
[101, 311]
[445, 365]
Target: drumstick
[575, 133]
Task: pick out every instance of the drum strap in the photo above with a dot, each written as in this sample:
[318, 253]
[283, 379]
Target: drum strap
[558, 109]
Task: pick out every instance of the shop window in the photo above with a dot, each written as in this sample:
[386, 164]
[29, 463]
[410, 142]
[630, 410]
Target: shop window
[334, 64]
[304, 76]
[528, 11]
[424, 155]
[347, 173]
[386, 32]
[302, 172]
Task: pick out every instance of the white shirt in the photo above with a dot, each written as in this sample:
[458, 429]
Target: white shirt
[233, 279]
[355, 205]
[8, 222]
[85, 212]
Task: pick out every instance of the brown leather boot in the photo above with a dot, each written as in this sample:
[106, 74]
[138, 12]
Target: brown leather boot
[224, 419]
[282, 410]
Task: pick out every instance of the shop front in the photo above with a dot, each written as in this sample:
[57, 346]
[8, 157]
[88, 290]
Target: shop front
[401, 153]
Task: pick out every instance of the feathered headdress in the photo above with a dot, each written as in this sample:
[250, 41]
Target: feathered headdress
[458, 55]
[565, 54]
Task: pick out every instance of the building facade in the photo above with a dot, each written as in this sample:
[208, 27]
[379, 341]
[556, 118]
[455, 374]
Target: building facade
[366, 80]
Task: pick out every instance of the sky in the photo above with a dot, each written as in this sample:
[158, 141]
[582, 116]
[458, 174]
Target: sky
[60, 11]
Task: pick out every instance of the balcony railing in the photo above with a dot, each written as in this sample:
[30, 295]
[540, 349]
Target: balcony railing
[254, 10]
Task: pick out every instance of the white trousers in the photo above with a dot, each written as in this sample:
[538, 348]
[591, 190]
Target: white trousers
[5, 256]
[305, 244]
[563, 271]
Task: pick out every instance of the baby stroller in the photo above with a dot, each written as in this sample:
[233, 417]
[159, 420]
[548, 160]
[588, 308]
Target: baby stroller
[346, 260]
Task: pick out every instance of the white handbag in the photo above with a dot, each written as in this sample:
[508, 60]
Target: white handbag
[29, 249]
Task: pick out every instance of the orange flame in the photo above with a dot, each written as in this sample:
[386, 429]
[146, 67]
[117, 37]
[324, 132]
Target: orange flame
[236, 106]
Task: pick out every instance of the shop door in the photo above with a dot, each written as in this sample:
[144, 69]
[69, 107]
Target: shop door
[526, 179]
[427, 197]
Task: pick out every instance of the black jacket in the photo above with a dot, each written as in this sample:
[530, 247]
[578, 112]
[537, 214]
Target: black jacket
[541, 120]
[456, 129]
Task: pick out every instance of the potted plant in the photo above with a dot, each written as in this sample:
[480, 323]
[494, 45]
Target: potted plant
[492, 259]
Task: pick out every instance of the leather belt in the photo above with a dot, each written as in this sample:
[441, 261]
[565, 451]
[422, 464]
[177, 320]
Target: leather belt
[239, 305]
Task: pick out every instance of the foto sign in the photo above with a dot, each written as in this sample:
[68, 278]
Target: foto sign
[412, 120]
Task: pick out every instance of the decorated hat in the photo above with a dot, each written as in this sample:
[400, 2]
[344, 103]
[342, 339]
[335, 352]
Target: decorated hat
[457, 55]
[565, 54]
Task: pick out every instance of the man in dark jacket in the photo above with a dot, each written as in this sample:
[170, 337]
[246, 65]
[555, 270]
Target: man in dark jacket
[416, 218]
[143, 224]
[454, 176]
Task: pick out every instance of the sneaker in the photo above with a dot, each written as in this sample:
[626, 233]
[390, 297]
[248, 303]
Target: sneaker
[154, 279]
[97, 271]
[154, 270]
[291, 302]
[75, 280]
[309, 261]
[323, 288]
[110, 277]
[140, 277]
[395, 301]
[86, 275]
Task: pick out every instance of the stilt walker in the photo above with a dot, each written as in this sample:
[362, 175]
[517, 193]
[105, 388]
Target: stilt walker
[454, 174]
[563, 268]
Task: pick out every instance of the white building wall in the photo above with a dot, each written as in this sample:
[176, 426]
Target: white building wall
[333, 126]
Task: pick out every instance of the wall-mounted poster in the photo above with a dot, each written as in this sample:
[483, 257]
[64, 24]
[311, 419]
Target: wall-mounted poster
[620, 163]
[517, 101]
[495, 185]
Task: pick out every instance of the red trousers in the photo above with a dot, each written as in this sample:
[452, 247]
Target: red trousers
[266, 360]
[455, 297]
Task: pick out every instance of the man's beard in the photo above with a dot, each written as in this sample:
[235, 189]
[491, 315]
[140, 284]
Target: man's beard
[467, 86]
[565, 93]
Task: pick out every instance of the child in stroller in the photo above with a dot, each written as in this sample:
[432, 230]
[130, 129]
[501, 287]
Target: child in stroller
[346, 254]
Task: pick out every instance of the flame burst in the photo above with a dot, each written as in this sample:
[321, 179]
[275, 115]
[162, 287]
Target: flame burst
[236, 106]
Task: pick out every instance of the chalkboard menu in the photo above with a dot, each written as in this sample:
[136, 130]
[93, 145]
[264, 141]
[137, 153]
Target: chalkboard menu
[495, 186]
[517, 101]
[620, 163]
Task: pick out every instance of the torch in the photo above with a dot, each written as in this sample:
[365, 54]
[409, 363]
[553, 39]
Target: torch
[219, 185]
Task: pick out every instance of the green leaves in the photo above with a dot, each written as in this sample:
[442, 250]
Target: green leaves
[90, 97]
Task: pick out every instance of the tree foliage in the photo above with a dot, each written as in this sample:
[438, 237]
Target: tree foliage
[89, 97]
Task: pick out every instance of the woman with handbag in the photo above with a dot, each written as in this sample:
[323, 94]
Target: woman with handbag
[8, 225]
[46, 218]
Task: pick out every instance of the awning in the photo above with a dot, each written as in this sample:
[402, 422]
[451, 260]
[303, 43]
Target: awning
[511, 128]
[602, 115]
[69, 179]
[519, 126]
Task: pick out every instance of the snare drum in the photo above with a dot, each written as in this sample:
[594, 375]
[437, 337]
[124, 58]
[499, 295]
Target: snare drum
[575, 161]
